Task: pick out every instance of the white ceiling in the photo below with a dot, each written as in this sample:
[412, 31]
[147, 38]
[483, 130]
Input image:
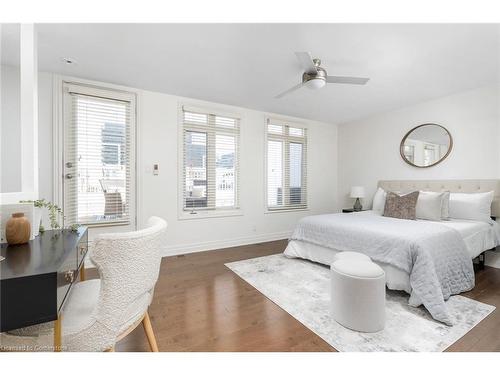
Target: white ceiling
[248, 64]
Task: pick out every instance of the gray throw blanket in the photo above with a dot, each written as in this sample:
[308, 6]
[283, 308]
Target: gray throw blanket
[434, 256]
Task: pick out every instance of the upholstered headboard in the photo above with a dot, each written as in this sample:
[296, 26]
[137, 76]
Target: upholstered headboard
[455, 186]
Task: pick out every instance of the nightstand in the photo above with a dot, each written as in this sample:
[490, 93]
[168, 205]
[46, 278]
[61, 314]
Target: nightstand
[349, 210]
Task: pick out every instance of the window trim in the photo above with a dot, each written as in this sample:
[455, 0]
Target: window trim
[204, 213]
[58, 122]
[291, 123]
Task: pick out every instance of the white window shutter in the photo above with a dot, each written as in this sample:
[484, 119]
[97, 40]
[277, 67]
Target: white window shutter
[286, 166]
[210, 160]
[97, 156]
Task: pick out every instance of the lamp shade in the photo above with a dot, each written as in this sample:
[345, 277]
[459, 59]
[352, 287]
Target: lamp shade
[357, 192]
[316, 83]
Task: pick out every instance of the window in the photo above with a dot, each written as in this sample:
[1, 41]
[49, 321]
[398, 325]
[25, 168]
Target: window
[409, 152]
[210, 161]
[113, 141]
[98, 155]
[430, 153]
[286, 166]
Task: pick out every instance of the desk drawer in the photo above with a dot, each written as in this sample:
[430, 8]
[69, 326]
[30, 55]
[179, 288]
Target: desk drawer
[25, 301]
[82, 248]
[66, 275]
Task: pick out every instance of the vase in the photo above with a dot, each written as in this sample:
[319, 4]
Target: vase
[18, 229]
[37, 218]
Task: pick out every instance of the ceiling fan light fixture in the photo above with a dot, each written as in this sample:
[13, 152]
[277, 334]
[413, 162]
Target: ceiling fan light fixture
[315, 83]
[315, 77]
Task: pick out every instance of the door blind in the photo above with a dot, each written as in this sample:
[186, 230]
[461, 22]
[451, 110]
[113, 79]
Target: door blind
[286, 165]
[210, 161]
[98, 158]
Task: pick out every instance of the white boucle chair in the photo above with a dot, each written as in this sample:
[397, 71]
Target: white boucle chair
[99, 313]
[358, 294]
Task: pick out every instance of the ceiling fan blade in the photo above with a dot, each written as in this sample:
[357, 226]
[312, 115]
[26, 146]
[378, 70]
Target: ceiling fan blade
[347, 80]
[306, 61]
[296, 87]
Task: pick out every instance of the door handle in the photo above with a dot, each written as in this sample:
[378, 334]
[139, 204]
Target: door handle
[68, 176]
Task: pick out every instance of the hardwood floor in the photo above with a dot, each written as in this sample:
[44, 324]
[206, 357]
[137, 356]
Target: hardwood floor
[200, 305]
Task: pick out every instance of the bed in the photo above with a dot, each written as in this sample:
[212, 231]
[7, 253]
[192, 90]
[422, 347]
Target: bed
[428, 260]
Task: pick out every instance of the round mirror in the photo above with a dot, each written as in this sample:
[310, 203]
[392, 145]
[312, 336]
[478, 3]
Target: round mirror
[426, 145]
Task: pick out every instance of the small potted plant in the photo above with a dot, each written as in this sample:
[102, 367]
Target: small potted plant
[54, 213]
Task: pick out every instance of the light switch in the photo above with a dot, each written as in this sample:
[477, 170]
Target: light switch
[156, 169]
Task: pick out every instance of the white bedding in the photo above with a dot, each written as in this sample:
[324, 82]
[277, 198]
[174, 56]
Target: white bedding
[477, 235]
[309, 243]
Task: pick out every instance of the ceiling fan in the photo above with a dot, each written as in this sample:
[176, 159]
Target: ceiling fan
[315, 77]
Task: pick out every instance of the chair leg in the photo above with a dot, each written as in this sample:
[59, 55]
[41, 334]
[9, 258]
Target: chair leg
[148, 328]
[58, 334]
[82, 273]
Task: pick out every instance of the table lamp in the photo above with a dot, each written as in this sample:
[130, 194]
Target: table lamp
[357, 192]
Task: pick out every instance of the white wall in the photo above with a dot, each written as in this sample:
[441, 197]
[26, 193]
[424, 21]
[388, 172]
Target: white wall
[158, 195]
[45, 157]
[159, 135]
[10, 121]
[369, 148]
[367, 151]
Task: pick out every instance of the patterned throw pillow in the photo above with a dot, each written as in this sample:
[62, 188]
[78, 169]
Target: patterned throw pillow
[401, 206]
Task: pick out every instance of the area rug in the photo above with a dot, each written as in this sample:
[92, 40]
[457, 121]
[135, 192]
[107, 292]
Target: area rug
[302, 288]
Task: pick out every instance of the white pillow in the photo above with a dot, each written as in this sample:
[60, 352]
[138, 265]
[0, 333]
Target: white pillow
[445, 208]
[379, 201]
[445, 202]
[471, 206]
[429, 205]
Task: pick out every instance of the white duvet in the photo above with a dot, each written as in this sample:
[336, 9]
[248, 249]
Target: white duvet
[434, 256]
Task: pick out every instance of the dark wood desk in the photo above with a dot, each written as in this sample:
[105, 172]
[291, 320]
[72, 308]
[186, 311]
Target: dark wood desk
[36, 278]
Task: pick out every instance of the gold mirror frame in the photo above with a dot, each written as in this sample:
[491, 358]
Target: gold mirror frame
[401, 146]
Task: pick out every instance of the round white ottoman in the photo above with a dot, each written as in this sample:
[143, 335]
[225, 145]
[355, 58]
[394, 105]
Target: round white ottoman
[352, 255]
[358, 295]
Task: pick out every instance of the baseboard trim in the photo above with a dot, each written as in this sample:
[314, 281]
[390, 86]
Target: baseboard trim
[492, 257]
[173, 250]
[214, 245]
